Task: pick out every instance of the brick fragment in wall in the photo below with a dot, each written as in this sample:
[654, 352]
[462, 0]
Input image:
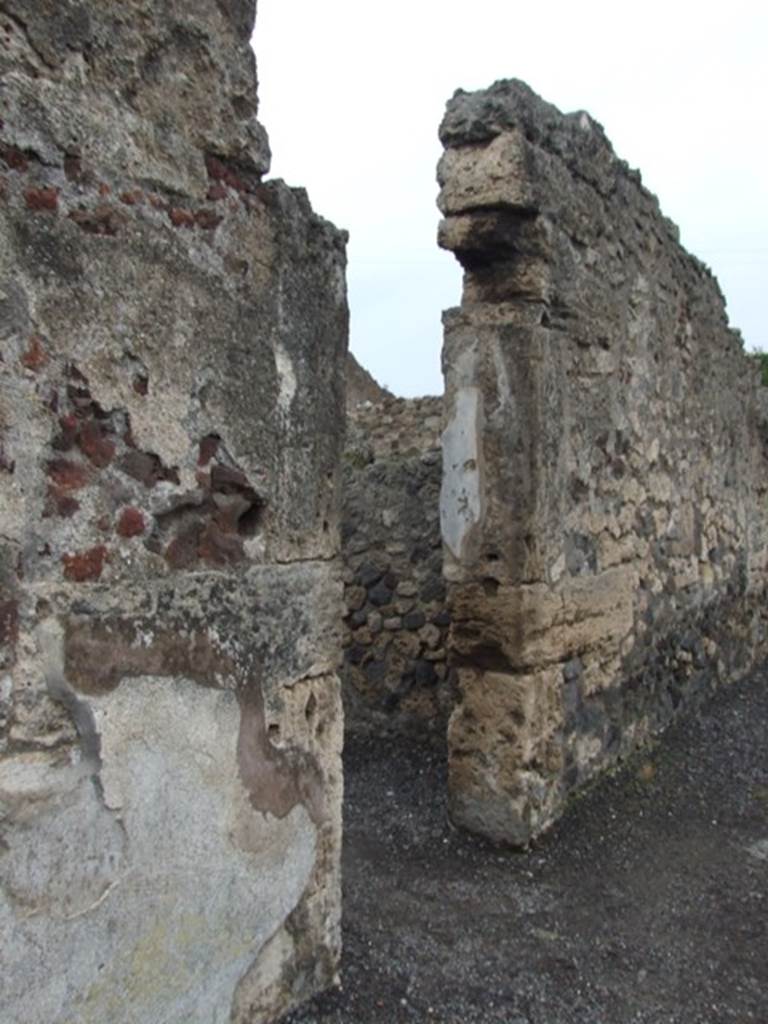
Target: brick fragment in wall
[170, 713]
[604, 529]
[395, 596]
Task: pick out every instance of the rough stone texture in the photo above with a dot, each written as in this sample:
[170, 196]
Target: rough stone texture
[394, 676]
[393, 428]
[603, 502]
[361, 386]
[173, 341]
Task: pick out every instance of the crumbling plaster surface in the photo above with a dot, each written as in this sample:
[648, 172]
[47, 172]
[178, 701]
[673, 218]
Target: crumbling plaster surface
[603, 503]
[173, 340]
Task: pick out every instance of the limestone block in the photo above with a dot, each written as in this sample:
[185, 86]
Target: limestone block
[537, 625]
[490, 175]
[504, 752]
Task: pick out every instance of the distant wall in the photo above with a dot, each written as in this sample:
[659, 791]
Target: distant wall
[172, 345]
[394, 675]
[604, 499]
[361, 386]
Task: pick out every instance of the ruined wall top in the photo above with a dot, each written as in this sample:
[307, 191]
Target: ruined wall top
[362, 387]
[149, 90]
[535, 160]
[396, 426]
[510, 105]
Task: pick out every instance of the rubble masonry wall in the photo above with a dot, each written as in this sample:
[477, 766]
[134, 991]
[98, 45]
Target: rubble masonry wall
[604, 493]
[395, 676]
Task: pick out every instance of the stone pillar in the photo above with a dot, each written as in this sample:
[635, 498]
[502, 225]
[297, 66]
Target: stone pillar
[173, 336]
[605, 538]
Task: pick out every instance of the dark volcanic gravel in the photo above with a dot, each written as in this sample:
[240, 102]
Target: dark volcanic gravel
[647, 903]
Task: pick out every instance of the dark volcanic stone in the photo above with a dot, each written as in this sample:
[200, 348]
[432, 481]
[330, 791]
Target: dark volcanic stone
[433, 590]
[368, 574]
[414, 620]
[380, 595]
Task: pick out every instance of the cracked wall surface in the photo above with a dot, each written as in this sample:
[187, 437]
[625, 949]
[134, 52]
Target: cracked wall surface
[603, 498]
[173, 337]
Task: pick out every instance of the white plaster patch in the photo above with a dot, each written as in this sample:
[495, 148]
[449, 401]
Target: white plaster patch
[153, 911]
[464, 367]
[286, 376]
[460, 493]
[503, 389]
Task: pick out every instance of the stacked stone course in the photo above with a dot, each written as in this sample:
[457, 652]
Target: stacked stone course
[396, 426]
[395, 675]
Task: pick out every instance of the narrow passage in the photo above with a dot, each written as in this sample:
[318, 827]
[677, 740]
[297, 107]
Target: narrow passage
[646, 904]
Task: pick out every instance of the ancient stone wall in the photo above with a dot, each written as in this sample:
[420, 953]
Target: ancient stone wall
[173, 339]
[603, 505]
[394, 675]
[361, 386]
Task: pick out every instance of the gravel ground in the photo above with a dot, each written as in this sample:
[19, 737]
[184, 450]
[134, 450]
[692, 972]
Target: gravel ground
[647, 903]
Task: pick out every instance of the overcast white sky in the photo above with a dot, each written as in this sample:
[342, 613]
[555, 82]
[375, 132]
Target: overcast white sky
[352, 94]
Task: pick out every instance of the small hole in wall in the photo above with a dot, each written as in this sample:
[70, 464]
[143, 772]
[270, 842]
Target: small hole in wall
[490, 586]
[274, 732]
[249, 522]
[492, 556]
[515, 717]
[325, 526]
[310, 709]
